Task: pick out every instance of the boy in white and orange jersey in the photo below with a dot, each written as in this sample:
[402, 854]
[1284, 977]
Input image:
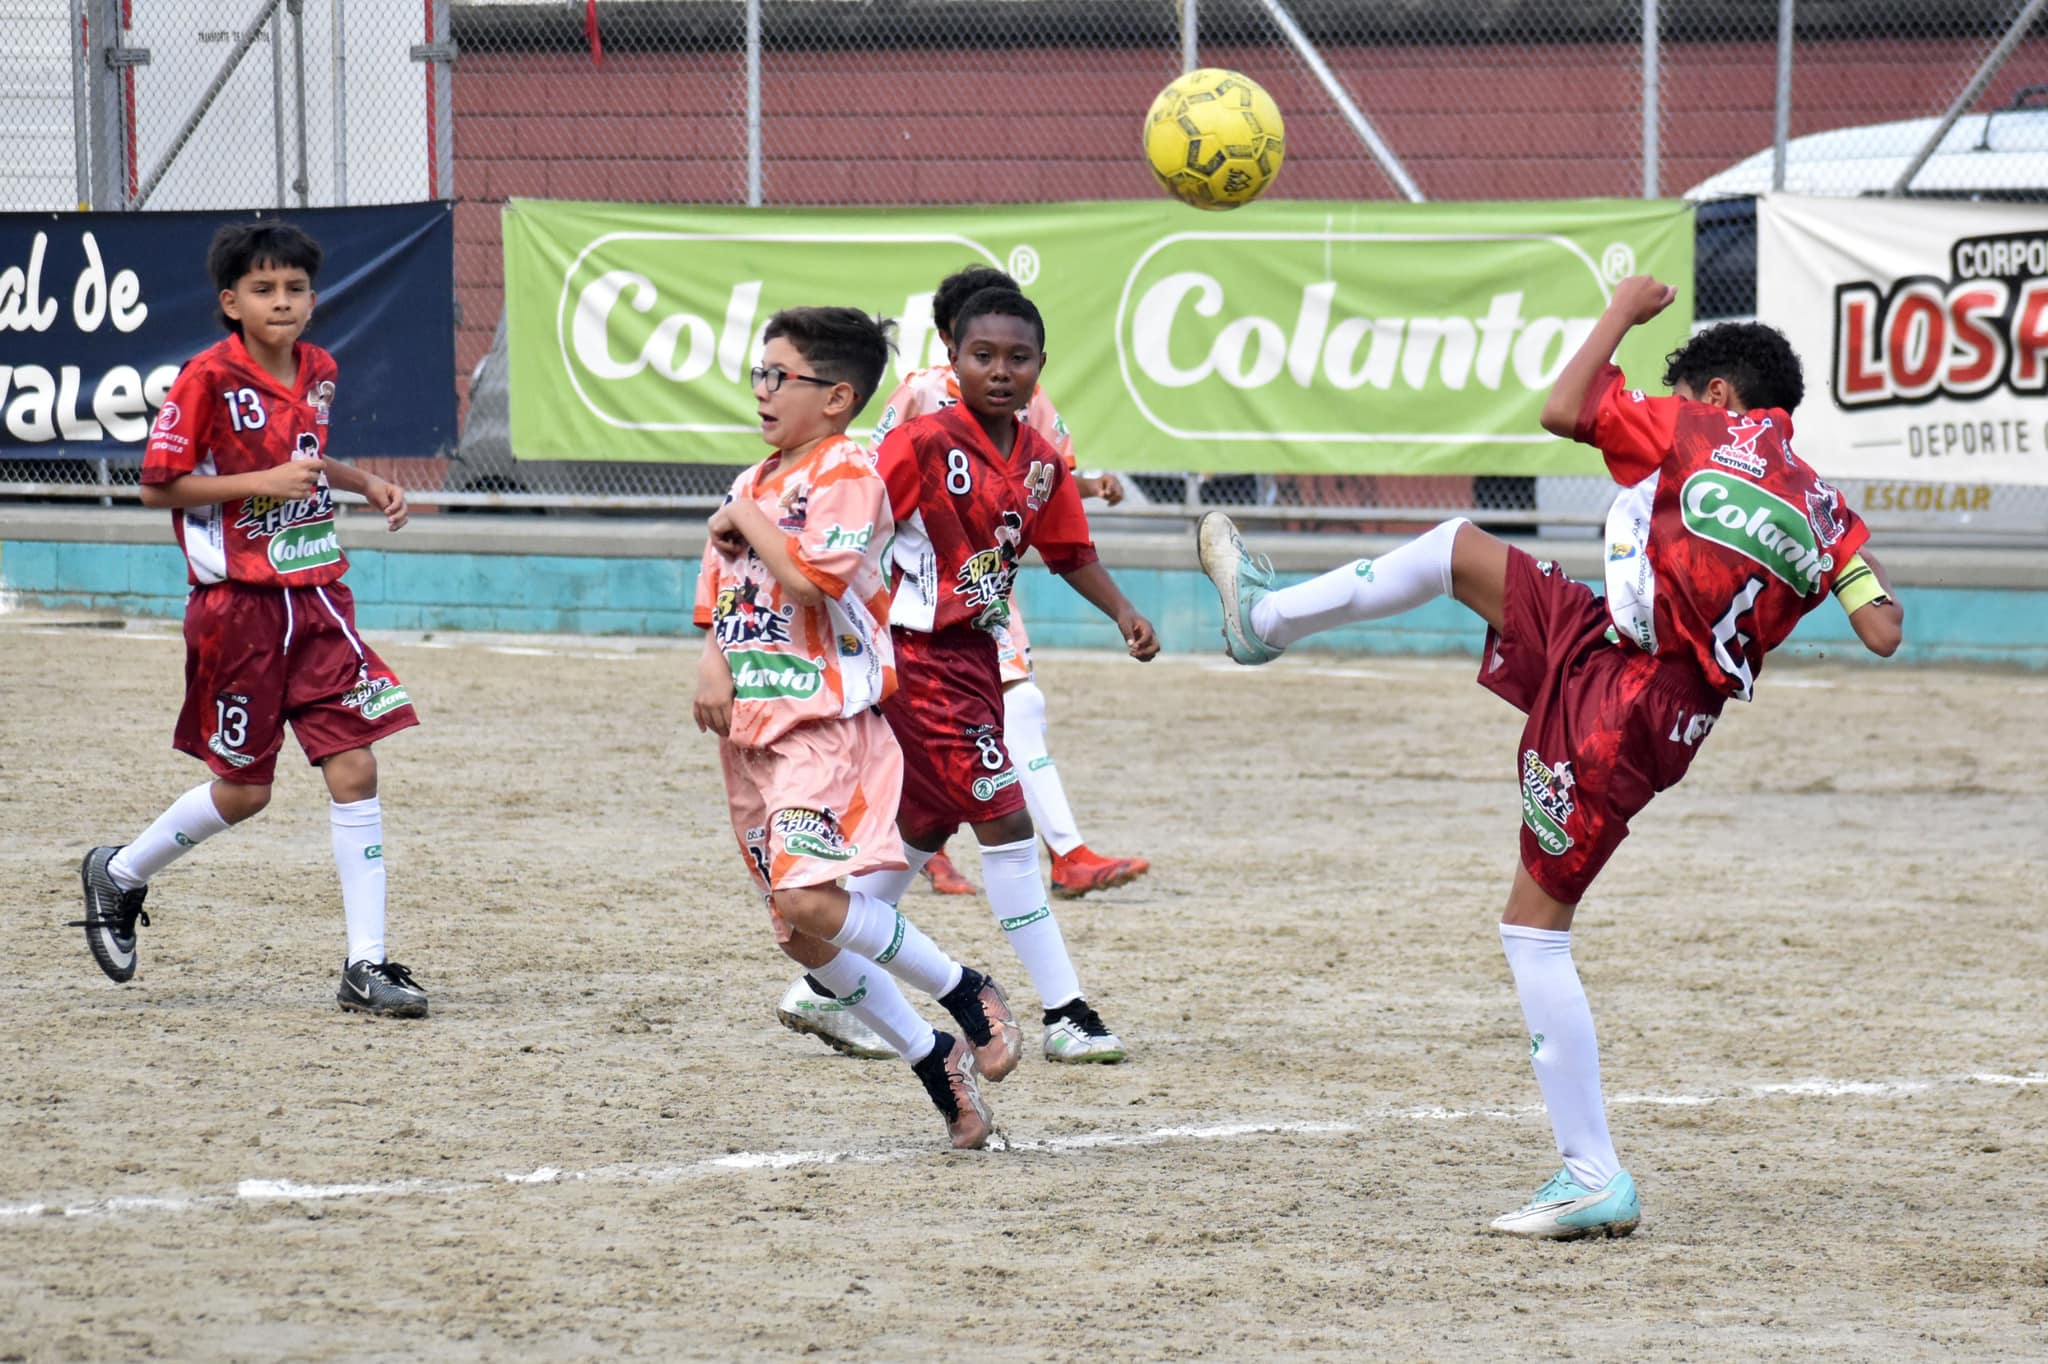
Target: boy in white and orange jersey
[796, 663]
[1076, 870]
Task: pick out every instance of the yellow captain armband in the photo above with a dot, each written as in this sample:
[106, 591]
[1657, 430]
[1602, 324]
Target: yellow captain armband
[1856, 586]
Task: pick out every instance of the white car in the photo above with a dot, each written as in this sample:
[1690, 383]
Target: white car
[1999, 155]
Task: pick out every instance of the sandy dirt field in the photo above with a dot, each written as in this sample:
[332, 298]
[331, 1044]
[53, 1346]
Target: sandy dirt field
[1817, 970]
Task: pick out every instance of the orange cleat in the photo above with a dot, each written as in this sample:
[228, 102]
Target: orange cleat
[946, 878]
[1076, 873]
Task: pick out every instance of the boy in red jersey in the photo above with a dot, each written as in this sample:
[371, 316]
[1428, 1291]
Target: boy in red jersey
[1720, 541]
[238, 454]
[1076, 869]
[971, 487]
[795, 599]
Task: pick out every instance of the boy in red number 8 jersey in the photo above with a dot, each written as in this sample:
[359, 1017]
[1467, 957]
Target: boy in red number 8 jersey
[971, 487]
[238, 453]
[1077, 870]
[1721, 539]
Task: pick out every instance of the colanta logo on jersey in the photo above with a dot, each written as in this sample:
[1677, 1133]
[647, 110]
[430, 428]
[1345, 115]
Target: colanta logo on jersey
[774, 677]
[1756, 524]
[739, 617]
[1547, 801]
[1984, 327]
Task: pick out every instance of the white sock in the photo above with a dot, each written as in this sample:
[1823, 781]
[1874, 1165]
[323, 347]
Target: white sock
[1010, 873]
[878, 931]
[1368, 589]
[1562, 1049]
[888, 886]
[358, 829]
[870, 993]
[192, 819]
[1044, 794]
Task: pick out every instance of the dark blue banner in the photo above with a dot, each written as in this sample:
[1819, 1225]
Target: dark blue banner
[98, 311]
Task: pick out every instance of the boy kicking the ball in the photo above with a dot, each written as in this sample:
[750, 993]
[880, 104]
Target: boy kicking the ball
[1720, 541]
[795, 664]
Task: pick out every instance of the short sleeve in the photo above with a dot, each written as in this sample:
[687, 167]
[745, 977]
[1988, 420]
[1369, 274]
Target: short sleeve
[896, 462]
[843, 514]
[1062, 536]
[1632, 431]
[900, 408]
[178, 436]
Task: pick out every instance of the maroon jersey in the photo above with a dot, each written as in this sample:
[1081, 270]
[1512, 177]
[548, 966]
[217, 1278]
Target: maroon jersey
[1723, 537]
[965, 515]
[227, 415]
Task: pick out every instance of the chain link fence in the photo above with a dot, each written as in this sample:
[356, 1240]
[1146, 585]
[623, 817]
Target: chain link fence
[849, 102]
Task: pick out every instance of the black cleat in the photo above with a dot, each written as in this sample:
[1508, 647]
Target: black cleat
[383, 988]
[110, 916]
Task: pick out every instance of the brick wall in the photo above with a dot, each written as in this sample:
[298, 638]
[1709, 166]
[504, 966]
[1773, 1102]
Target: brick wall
[1022, 125]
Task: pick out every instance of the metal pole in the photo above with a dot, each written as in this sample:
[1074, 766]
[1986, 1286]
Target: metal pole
[1652, 99]
[1190, 34]
[1348, 107]
[81, 119]
[277, 99]
[444, 108]
[298, 13]
[339, 42]
[1781, 125]
[250, 32]
[753, 103]
[105, 73]
[1990, 68]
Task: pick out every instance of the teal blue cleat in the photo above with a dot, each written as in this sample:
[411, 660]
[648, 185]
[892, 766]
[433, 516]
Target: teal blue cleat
[1565, 1210]
[1241, 578]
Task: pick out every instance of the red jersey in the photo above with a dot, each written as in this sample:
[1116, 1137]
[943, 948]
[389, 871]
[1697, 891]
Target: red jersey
[965, 516]
[225, 415]
[1723, 538]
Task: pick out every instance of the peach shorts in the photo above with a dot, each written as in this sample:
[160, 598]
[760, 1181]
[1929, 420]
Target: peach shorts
[817, 804]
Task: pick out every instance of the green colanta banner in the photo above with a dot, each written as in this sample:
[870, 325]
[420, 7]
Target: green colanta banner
[1297, 337]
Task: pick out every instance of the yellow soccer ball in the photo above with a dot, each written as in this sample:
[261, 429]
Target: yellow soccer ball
[1215, 139]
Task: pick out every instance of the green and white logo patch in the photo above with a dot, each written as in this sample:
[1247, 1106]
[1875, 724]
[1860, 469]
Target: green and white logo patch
[812, 833]
[758, 676]
[295, 549]
[1547, 801]
[1757, 525]
[985, 788]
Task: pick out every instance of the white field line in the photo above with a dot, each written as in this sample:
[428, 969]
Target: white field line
[262, 1190]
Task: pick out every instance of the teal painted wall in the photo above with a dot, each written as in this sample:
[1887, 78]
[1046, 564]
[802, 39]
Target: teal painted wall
[586, 595]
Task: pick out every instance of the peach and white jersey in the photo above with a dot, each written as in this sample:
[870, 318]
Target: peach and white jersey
[794, 664]
[927, 390]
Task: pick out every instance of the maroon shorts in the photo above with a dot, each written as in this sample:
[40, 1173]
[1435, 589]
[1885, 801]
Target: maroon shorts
[256, 657]
[948, 716]
[1609, 725]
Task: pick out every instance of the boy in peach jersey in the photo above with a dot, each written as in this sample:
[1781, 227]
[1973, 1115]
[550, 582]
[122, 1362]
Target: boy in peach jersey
[796, 663]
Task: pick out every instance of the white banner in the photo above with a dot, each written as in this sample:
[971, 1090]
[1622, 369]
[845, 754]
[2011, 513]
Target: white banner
[1924, 329]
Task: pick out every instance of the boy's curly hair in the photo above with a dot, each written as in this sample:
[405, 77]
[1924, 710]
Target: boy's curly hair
[956, 288]
[1756, 360]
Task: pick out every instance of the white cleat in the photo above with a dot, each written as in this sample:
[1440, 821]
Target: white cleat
[1565, 1210]
[1077, 1036]
[829, 1020]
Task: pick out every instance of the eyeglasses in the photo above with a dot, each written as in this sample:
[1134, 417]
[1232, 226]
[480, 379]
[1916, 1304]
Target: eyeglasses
[769, 378]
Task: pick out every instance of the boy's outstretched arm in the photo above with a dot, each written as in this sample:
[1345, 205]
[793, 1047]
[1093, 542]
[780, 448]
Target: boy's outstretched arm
[1880, 622]
[1636, 300]
[1095, 585]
